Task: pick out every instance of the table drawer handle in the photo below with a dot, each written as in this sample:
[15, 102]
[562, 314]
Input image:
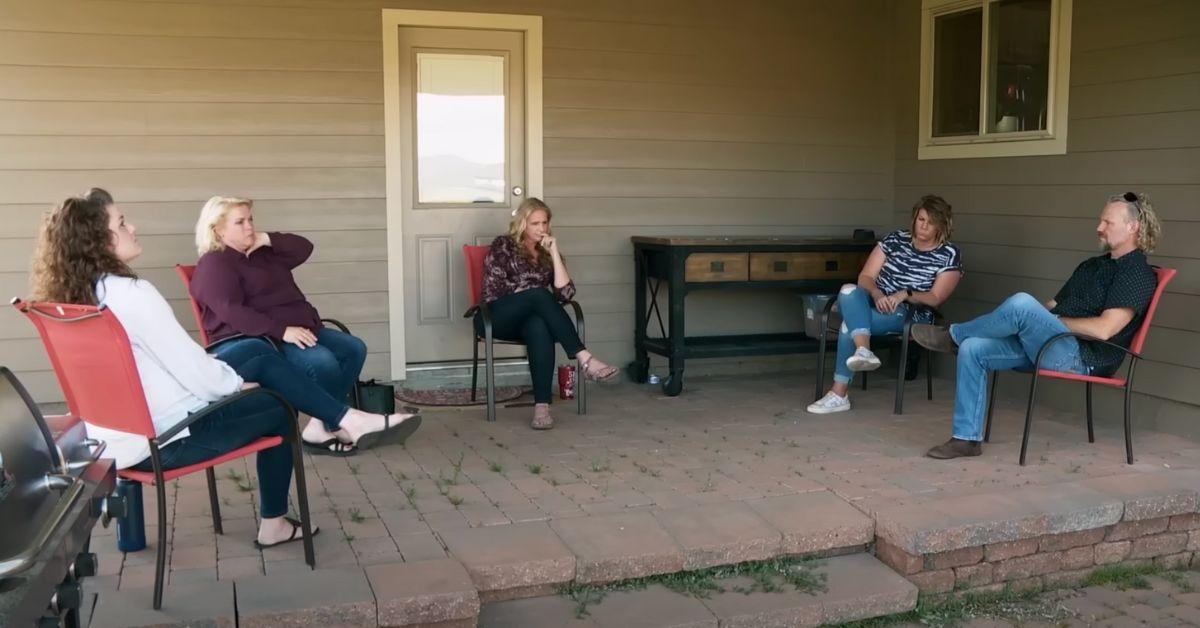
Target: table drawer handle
[780, 266]
[716, 267]
[831, 265]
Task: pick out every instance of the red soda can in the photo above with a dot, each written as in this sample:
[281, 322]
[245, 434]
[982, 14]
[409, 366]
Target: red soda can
[566, 382]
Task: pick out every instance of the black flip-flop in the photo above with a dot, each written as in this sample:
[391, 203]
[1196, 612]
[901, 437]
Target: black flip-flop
[297, 534]
[390, 434]
[331, 447]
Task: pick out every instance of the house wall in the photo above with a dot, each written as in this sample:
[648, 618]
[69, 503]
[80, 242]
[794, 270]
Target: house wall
[1025, 222]
[661, 117]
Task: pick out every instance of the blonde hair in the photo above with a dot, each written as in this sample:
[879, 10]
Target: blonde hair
[212, 216]
[520, 221]
[1149, 229]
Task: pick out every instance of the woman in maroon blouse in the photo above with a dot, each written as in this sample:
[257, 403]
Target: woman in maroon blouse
[525, 284]
[244, 286]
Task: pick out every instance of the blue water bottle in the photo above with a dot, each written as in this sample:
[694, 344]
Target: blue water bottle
[131, 529]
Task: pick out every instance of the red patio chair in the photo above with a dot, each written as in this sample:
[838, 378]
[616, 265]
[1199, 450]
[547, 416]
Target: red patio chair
[185, 272]
[475, 256]
[93, 360]
[1165, 275]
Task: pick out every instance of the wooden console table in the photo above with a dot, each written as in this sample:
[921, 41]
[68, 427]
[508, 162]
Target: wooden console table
[805, 265]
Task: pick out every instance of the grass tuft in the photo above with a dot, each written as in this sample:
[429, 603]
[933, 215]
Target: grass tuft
[773, 575]
[1123, 577]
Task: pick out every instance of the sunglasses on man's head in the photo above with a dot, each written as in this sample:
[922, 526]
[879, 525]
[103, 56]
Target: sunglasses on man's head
[1130, 197]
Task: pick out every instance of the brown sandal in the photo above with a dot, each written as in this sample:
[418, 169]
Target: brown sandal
[606, 374]
[541, 417]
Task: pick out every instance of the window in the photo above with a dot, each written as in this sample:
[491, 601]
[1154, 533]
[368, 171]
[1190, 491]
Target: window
[460, 129]
[994, 78]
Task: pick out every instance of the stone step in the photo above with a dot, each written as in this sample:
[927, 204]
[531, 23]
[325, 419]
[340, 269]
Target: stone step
[857, 587]
[531, 559]
[422, 593]
[504, 562]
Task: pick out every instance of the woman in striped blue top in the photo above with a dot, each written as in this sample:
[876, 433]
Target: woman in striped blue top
[916, 266]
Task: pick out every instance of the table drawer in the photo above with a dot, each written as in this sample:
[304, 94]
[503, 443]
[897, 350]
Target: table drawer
[704, 267]
[806, 265]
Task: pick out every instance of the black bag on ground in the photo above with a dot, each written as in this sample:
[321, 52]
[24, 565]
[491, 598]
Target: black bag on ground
[376, 398]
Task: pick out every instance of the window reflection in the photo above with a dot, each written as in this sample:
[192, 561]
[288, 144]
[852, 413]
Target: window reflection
[1019, 72]
[460, 129]
[956, 51]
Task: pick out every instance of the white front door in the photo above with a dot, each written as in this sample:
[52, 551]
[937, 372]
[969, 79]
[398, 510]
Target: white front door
[462, 114]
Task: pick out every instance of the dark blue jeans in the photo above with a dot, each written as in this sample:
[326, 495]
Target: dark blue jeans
[536, 318]
[257, 361]
[234, 426]
[334, 363]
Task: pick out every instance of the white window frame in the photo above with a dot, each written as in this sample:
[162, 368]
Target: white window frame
[1051, 141]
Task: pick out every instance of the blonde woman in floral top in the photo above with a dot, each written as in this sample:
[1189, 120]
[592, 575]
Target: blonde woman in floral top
[525, 284]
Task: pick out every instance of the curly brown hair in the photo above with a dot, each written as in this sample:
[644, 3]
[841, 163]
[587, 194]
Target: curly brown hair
[74, 252]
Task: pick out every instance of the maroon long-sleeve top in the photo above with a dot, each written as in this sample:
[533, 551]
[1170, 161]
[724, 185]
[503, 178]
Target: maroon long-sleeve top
[254, 295]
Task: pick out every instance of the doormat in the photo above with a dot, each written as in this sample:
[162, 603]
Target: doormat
[457, 396]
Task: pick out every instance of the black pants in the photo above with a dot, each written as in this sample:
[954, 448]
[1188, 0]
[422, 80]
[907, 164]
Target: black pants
[535, 318]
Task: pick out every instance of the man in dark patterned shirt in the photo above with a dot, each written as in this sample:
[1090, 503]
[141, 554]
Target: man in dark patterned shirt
[1106, 298]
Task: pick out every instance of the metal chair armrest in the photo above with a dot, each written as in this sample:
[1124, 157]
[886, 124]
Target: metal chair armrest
[829, 306]
[485, 313]
[336, 323]
[226, 401]
[578, 309]
[1081, 336]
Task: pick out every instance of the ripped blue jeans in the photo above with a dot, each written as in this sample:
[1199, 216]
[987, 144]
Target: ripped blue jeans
[860, 318]
[1007, 338]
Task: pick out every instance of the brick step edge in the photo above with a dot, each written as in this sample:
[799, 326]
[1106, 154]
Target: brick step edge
[858, 586]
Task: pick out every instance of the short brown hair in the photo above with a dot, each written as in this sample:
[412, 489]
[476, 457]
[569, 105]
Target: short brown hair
[941, 214]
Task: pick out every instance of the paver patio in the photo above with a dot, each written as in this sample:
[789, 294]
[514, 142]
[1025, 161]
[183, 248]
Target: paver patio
[643, 484]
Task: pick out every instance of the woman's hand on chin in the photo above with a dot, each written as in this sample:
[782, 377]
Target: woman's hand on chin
[261, 239]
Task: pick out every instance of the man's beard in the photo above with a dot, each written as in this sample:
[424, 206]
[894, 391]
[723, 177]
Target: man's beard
[1105, 247]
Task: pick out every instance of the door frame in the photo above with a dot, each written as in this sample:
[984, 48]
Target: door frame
[393, 19]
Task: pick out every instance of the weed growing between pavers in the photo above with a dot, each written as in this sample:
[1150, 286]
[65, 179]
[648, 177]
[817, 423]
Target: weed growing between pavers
[767, 576]
[1123, 576]
[954, 611]
[240, 481]
[1178, 579]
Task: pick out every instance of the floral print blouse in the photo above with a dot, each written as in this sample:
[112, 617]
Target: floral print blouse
[506, 272]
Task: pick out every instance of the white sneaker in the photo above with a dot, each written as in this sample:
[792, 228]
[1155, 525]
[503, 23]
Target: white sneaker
[863, 360]
[831, 402]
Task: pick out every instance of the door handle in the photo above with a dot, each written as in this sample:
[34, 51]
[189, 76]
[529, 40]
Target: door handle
[518, 190]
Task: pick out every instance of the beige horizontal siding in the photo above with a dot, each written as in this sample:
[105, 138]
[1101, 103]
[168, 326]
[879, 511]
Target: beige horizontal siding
[1024, 223]
[667, 117]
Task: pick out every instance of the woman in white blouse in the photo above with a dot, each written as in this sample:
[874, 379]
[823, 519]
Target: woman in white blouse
[84, 251]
